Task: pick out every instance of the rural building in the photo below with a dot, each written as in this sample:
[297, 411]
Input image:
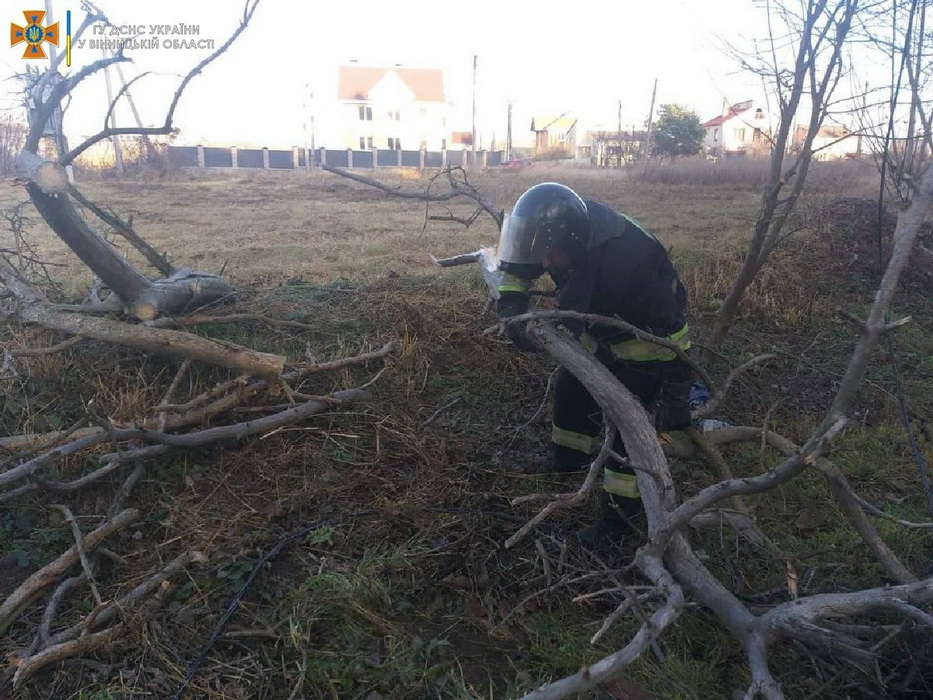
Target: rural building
[555, 135]
[830, 143]
[613, 149]
[743, 129]
[391, 108]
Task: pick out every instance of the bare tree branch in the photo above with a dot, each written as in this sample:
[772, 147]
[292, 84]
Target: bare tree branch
[52, 572]
[168, 125]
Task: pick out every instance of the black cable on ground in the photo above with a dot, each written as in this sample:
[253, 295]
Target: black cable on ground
[224, 620]
[234, 604]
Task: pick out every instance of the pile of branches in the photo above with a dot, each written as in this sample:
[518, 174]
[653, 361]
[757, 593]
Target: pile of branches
[840, 623]
[171, 425]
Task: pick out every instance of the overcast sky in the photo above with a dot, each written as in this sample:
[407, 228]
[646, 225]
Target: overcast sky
[581, 57]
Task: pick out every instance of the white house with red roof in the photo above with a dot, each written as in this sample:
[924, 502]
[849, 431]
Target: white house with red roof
[743, 129]
[390, 108]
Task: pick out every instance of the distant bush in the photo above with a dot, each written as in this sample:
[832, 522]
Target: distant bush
[12, 138]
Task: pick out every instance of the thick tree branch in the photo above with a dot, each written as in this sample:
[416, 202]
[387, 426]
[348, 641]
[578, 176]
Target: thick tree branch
[157, 341]
[153, 257]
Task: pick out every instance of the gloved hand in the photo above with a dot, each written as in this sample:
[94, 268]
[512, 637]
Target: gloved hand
[513, 304]
[674, 411]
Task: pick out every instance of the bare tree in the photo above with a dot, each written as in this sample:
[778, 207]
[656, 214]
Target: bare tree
[815, 34]
[177, 291]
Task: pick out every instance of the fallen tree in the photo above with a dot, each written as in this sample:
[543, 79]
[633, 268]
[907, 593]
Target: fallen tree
[178, 291]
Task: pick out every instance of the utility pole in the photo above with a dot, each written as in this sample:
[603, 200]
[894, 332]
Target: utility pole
[654, 92]
[508, 134]
[858, 147]
[150, 150]
[474, 104]
[117, 153]
[620, 133]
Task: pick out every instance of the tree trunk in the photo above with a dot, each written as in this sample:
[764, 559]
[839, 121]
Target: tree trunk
[141, 297]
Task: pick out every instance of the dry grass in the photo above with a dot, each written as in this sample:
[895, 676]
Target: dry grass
[404, 590]
[277, 226]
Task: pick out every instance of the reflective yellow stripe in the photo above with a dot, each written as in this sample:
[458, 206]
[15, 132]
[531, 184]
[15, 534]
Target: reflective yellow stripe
[637, 350]
[589, 343]
[572, 440]
[511, 283]
[619, 484]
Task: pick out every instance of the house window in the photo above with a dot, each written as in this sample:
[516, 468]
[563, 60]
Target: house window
[366, 143]
[759, 113]
[423, 112]
[394, 115]
[395, 144]
[716, 134]
[366, 113]
[740, 135]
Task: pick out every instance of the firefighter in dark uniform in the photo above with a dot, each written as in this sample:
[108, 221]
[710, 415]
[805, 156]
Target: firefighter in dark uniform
[602, 262]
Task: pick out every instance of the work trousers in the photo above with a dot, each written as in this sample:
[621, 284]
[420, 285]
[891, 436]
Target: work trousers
[577, 424]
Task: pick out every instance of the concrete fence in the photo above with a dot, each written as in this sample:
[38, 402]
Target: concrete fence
[302, 158]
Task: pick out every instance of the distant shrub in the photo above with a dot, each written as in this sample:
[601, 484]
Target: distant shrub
[12, 138]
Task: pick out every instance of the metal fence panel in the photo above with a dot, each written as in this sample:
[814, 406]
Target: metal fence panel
[362, 159]
[433, 159]
[281, 159]
[337, 158]
[411, 159]
[386, 158]
[249, 158]
[218, 158]
[183, 156]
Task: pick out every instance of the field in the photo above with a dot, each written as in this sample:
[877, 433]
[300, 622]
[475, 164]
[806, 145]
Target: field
[401, 587]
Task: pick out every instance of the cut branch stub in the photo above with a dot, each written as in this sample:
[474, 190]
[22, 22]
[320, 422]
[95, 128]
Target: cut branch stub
[142, 298]
[488, 263]
[182, 289]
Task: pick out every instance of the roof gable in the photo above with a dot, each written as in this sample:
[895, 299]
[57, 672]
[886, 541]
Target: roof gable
[559, 125]
[357, 82]
[722, 119]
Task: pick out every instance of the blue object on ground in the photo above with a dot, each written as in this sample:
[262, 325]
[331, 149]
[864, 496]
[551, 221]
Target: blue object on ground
[699, 395]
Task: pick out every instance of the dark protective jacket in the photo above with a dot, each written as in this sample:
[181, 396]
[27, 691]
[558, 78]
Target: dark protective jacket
[626, 273]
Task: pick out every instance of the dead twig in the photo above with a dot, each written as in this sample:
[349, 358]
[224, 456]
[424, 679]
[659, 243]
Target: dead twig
[537, 414]
[82, 552]
[433, 416]
[52, 350]
[301, 370]
[564, 500]
[715, 402]
[53, 571]
[66, 650]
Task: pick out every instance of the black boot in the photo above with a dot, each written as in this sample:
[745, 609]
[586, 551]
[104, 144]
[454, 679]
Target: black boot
[619, 519]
